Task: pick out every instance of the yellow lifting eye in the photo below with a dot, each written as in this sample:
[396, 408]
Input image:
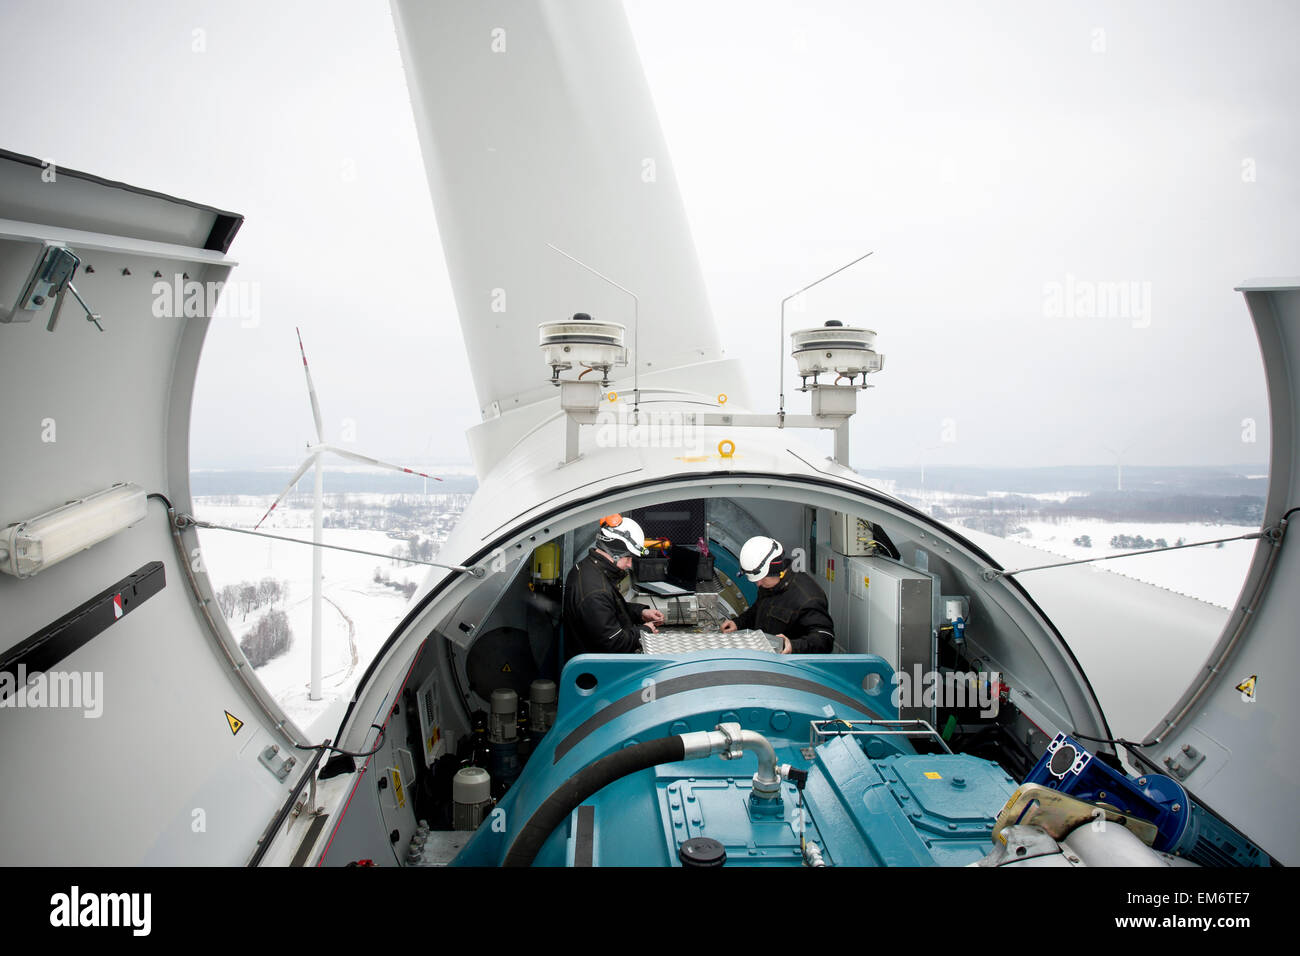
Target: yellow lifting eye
[613, 396]
[722, 398]
[726, 448]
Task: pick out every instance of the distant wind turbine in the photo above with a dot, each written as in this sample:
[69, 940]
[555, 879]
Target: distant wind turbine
[314, 453]
[1119, 464]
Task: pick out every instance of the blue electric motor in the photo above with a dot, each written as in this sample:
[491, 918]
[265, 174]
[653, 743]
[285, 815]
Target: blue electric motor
[1183, 828]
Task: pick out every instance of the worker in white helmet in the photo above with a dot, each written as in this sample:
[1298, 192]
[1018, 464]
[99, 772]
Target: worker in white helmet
[596, 618]
[790, 604]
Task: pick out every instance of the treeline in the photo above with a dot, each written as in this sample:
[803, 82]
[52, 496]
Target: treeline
[405, 587]
[1134, 542]
[1144, 506]
[395, 513]
[1000, 515]
[434, 514]
[416, 548]
[269, 638]
[247, 596]
[1004, 526]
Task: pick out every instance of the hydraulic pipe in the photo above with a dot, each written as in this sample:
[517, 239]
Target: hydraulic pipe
[732, 742]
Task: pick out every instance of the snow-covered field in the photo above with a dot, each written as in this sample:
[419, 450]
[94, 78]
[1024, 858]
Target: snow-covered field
[358, 614]
[1210, 573]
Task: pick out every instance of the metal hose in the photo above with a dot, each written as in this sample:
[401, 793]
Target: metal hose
[728, 740]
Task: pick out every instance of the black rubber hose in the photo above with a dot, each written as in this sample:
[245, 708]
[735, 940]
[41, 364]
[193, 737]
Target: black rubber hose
[582, 785]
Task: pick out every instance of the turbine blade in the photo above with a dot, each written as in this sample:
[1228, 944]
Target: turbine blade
[292, 481]
[375, 461]
[311, 390]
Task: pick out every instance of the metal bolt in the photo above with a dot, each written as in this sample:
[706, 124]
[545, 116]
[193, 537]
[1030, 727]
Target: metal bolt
[1176, 807]
[38, 299]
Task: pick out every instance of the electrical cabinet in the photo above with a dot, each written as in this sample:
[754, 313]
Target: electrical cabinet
[891, 614]
[850, 535]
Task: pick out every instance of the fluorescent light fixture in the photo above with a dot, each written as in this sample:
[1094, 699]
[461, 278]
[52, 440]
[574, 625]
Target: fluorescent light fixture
[33, 545]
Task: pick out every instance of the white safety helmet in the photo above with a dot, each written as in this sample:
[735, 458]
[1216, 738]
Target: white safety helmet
[620, 537]
[758, 556]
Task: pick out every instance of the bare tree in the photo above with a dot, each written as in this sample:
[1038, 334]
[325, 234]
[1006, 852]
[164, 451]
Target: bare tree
[265, 591]
[269, 638]
[247, 598]
[228, 599]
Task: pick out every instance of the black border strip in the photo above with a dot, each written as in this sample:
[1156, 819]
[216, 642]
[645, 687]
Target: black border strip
[54, 642]
[309, 841]
[584, 847]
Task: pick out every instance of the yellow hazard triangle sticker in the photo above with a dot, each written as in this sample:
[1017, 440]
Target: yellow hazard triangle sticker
[1247, 687]
[235, 722]
[505, 668]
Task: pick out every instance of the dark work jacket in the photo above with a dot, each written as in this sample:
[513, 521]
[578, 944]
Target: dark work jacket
[596, 618]
[796, 607]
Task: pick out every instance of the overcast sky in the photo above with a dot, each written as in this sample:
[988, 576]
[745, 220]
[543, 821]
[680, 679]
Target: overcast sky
[1005, 161]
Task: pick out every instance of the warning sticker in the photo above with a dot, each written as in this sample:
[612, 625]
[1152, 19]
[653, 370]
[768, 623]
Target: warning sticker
[235, 722]
[117, 606]
[931, 775]
[398, 793]
[1247, 688]
[505, 668]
